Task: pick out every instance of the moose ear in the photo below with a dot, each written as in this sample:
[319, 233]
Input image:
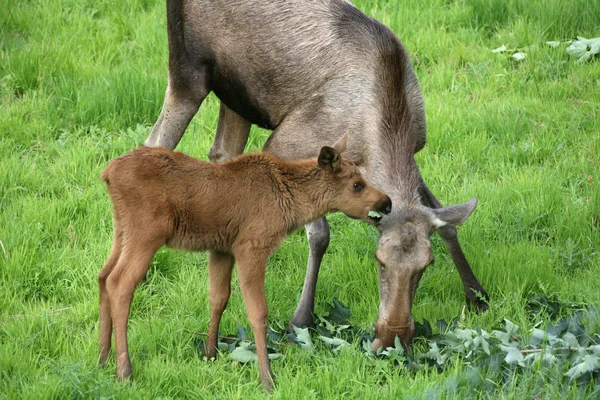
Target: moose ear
[452, 215]
[340, 145]
[330, 159]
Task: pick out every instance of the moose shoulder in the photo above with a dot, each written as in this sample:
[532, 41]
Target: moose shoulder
[308, 70]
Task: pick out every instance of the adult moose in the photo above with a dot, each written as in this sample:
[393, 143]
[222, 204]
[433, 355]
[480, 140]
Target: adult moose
[308, 70]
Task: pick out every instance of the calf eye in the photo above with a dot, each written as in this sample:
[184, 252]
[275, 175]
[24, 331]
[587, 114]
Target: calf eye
[358, 186]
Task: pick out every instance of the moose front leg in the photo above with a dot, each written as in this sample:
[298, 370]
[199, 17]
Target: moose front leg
[317, 233]
[476, 295]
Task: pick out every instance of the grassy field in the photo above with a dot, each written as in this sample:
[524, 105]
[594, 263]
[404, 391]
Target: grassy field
[82, 81]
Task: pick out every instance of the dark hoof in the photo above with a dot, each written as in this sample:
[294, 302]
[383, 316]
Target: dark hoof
[301, 320]
[478, 300]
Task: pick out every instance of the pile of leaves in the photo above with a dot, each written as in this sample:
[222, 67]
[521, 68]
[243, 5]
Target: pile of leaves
[569, 345]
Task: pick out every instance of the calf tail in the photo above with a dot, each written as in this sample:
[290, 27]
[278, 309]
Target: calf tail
[105, 174]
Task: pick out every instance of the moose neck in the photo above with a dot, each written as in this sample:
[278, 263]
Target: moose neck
[392, 166]
[397, 176]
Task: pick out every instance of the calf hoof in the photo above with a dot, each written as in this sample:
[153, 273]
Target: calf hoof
[210, 355]
[268, 381]
[124, 371]
[125, 376]
[102, 358]
[478, 300]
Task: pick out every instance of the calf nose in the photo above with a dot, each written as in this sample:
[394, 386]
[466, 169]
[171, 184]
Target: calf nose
[385, 205]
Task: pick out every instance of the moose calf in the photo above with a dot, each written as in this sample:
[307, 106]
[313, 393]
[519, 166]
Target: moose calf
[240, 210]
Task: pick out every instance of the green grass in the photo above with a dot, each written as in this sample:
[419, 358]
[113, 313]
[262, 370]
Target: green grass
[83, 81]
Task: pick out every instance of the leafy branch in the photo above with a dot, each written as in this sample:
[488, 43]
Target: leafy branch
[569, 344]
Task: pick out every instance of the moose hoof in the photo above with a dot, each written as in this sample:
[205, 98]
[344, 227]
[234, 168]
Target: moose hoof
[478, 300]
[300, 320]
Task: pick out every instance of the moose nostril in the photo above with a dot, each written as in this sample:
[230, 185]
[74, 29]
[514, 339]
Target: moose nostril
[386, 205]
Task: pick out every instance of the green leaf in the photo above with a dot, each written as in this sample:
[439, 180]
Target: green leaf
[480, 341]
[366, 345]
[398, 344]
[545, 336]
[519, 56]
[375, 214]
[338, 312]
[333, 341]
[423, 329]
[395, 353]
[570, 340]
[513, 355]
[511, 328]
[503, 337]
[590, 363]
[434, 353]
[242, 333]
[337, 343]
[303, 336]
[546, 356]
[328, 325]
[584, 48]
[464, 334]
[242, 353]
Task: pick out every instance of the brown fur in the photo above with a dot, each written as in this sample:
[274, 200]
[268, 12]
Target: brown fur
[240, 210]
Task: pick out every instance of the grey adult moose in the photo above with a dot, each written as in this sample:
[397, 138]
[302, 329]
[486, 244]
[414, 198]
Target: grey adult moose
[309, 70]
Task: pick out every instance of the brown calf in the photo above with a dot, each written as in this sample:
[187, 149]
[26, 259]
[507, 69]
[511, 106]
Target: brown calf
[240, 210]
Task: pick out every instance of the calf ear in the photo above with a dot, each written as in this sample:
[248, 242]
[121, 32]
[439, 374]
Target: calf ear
[452, 215]
[340, 145]
[329, 159]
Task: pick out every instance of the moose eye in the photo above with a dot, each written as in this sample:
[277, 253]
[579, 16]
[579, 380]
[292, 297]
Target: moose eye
[358, 186]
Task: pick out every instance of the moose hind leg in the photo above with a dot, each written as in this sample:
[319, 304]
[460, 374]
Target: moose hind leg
[476, 295]
[318, 241]
[231, 136]
[182, 99]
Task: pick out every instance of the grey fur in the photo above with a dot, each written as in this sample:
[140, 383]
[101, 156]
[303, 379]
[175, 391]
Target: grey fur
[310, 71]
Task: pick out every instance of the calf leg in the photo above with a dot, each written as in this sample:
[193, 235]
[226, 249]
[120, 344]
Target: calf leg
[317, 233]
[448, 233]
[285, 143]
[105, 331]
[219, 275]
[120, 285]
[251, 275]
[231, 136]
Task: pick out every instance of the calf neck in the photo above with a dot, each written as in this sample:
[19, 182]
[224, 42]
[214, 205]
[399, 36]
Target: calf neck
[239, 210]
